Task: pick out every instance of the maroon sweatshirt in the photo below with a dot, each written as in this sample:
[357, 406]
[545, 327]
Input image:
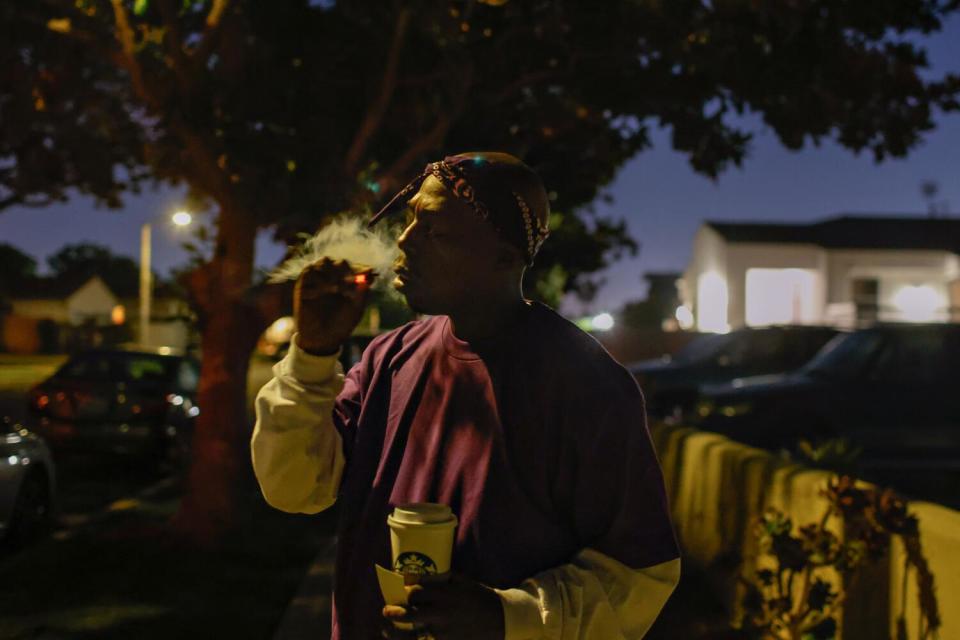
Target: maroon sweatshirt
[536, 439]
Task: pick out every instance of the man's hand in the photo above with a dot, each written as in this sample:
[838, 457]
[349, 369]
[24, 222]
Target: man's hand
[328, 302]
[459, 609]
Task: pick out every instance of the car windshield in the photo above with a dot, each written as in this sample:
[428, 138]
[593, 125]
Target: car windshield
[125, 367]
[845, 356]
[703, 347]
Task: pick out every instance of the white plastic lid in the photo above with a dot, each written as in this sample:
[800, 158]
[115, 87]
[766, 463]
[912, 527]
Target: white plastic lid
[422, 513]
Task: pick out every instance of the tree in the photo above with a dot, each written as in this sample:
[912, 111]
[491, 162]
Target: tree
[19, 269]
[83, 260]
[279, 114]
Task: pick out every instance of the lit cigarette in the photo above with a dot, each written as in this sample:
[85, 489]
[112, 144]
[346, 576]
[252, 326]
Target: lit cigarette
[362, 278]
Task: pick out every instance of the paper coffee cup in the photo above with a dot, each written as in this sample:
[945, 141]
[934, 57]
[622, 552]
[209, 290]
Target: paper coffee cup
[421, 539]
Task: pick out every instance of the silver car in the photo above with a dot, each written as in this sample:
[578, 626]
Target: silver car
[27, 485]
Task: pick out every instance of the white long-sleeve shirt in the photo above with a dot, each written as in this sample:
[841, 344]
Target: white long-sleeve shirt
[299, 462]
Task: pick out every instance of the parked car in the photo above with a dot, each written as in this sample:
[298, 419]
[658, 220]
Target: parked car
[670, 384]
[129, 403]
[27, 484]
[891, 390]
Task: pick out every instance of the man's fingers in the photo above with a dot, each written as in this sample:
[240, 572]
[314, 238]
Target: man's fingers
[395, 612]
[418, 596]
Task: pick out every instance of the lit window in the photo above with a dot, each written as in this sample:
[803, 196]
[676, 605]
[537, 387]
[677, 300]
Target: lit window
[780, 296]
[712, 303]
[924, 303]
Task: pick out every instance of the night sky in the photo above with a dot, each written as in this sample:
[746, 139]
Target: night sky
[662, 199]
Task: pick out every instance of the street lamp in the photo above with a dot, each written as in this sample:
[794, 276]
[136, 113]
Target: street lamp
[181, 219]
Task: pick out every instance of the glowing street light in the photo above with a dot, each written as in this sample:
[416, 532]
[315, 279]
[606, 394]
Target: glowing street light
[180, 219]
[603, 322]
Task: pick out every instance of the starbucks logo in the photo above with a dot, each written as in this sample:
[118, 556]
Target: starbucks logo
[416, 563]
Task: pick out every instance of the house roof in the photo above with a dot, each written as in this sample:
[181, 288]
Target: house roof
[50, 288]
[852, 232]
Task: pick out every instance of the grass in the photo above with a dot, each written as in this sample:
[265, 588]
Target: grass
[22, 372]
[126, 577]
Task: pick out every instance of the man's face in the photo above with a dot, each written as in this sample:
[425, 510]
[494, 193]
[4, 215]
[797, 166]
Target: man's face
[449, 255]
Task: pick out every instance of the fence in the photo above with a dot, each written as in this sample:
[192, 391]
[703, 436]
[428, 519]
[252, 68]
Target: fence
[718, 488]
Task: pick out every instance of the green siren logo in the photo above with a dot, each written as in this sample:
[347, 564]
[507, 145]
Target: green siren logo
[415, 563]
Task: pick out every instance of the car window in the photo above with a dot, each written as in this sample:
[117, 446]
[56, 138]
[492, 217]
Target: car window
[702, 347]
[846, 356]
[919, 357]
[801, 346]
[143, 369]
[96, 366]
[754, 347]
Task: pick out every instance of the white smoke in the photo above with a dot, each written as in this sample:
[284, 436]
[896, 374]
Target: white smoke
[347, 238]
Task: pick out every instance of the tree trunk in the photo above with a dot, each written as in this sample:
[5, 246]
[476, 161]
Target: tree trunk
[230, 324]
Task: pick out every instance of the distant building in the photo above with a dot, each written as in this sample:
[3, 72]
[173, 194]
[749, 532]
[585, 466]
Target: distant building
[84, 311]
[843, 271]
[172, 322]
[68, 301]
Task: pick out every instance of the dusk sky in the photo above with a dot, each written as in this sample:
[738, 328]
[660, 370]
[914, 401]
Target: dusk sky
[662, 199]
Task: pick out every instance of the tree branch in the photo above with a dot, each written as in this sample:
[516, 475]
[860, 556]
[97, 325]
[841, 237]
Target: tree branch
[433, 138]
[374, 116]
[124, 35]
[203, 160]
[211, 34]
[534, 77]
[88, 38]
[173, 43]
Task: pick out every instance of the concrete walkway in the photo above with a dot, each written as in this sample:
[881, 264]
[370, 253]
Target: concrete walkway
[308, 615]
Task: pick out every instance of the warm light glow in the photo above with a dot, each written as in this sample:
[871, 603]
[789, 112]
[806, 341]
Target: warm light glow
[603, 322]
[360, 278]
[780, 296]
[182, 218]
[118, 315]
[712, 303]
[923, 303]
[164, 351]
[684, 317]
[280, 331]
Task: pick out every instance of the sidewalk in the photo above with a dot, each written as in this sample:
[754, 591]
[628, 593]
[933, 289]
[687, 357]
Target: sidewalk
[308, 615]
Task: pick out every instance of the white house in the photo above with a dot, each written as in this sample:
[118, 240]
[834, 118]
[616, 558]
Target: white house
[88, 301]
[70, 302]
[842, 271]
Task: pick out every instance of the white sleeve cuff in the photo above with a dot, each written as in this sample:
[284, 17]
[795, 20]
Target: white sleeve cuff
[308, 368]
[594, 596]
[521, 614]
